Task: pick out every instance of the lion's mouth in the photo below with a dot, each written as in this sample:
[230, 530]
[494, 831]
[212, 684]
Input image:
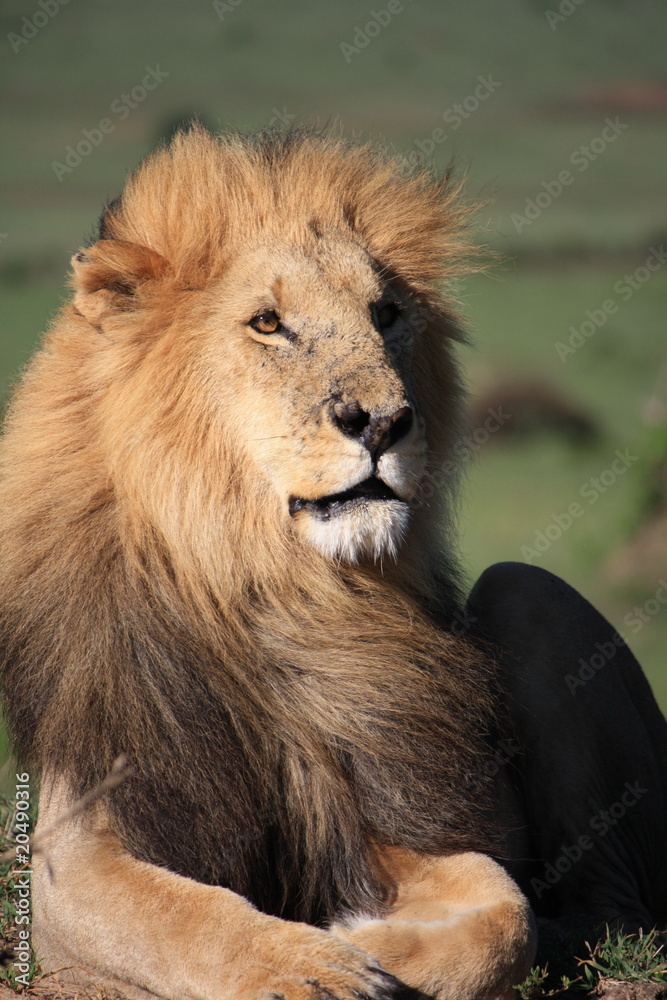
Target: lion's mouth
[371, 489]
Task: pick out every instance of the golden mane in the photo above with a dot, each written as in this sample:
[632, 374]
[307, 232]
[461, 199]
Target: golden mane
[195, 201]
[270, 701]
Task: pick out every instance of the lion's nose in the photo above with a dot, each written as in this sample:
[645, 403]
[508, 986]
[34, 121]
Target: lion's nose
[377, 432]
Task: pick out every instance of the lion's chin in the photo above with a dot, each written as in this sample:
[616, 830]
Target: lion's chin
[368, 528]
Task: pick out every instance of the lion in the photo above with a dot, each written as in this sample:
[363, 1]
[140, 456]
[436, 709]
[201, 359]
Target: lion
[225, 513]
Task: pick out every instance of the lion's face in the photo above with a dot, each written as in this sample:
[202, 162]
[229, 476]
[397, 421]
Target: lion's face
[309, 356]
[296, 394]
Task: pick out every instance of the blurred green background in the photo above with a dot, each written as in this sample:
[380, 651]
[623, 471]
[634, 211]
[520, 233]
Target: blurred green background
[515, 93]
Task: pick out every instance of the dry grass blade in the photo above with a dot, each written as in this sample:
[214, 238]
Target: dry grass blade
[118, 773]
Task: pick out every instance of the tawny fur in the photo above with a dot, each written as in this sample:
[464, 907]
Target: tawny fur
[282, 710]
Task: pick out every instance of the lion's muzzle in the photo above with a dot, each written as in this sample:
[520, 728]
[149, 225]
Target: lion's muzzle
[377, 432]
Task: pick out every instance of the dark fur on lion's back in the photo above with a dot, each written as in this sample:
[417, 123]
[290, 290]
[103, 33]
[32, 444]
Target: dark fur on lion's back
[275, 729]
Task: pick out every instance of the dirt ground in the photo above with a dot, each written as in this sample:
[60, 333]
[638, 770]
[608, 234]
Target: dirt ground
[610, 989]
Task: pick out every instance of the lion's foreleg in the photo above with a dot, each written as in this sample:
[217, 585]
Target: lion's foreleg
[459, 926]
[109, 918]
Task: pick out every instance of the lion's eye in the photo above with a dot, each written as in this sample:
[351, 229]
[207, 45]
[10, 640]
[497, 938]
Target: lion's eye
[386, 315]
[266, 322]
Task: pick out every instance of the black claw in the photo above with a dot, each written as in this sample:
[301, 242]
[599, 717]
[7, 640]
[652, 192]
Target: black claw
[408, 993]
[389, 988]
[322, 993]
[394, 989]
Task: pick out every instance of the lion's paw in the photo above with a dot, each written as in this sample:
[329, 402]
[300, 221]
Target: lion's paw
[299, 962]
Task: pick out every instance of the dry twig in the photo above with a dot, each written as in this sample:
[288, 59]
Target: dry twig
[119, 772]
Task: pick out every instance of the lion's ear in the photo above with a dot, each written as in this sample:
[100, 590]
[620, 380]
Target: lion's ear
[108, 274]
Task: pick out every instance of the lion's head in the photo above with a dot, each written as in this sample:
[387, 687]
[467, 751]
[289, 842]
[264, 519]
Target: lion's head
[292, 285]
